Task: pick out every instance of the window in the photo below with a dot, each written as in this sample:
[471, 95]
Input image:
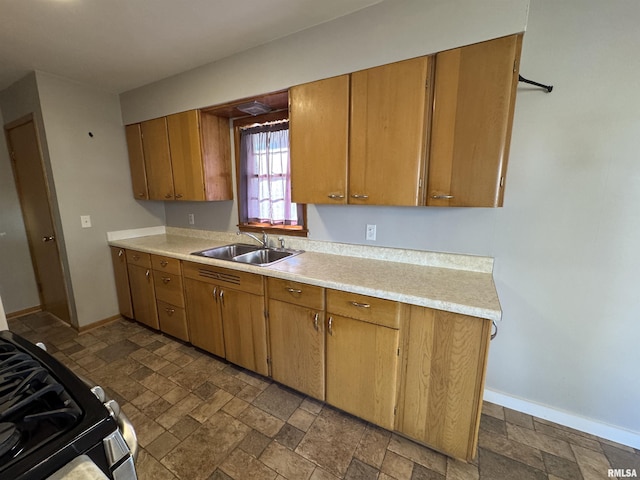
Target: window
[264, 178]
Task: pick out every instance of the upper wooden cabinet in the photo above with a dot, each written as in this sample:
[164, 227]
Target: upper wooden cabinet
[475, 89]
[187, 156]
[136, 162]
[319, 140]
[359, 138]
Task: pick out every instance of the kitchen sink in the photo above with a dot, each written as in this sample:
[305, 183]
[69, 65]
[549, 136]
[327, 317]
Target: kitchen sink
[227, 252]
[250, 254]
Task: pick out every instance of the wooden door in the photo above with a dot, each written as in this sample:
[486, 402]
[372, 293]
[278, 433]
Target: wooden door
[186, 155]
[297, 347]
[157, 159]
[387, 147]
[143, 295]
[136, 162]
[204, 316]
[362, 363]
[440, 401]
[119, 260]
[319, 139]
[475, 89]
[245, 332]
[35, 201]
[216, 156]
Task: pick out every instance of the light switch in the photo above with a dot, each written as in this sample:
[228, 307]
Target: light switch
[85, 221]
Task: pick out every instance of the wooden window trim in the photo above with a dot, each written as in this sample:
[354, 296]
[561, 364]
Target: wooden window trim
[293, 230]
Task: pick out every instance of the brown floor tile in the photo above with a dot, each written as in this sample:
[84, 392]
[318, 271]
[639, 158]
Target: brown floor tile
[569, 436]
[561, 467]
[621, 457]
[373, 446]
[509, 448]
[518, 418]
[254, 443]
[289, 436]
[492, 424]
[320, 474]
[206, 390]
[540, 441]
[361, 471]
[148, 468]
[117, 350]
[301, 419]
[458, 470]
[220, 475]
[332, 440]
[493, 410]
[209, 407]
[179, 410]
[286, 462]
[423, 473]
[498, 467]
[162, 445]
[278, 401]
[262, 421]
[418, 454]
[184, 427]
[312, 405]
[593, 465]
[235, 406]
[240, 466]
[397, 466]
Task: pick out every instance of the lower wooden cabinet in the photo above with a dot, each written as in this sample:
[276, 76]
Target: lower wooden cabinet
[143, 295]
[443, 370]
[297, 335]
[203, 316]
[121, 274]
[235, 300]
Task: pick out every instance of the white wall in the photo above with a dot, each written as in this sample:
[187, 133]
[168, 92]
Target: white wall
[17, 279]
[92, 178]
[566, 242]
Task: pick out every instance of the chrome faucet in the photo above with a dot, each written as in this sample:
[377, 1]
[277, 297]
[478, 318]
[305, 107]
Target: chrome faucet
[265, 239]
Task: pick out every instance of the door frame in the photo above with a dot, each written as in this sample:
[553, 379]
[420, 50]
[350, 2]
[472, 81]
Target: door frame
[52, 211]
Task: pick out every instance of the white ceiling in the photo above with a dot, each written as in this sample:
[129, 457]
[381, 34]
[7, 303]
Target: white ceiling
[117, 45]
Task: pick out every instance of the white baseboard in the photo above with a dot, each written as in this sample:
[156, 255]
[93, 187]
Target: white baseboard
[603, 430]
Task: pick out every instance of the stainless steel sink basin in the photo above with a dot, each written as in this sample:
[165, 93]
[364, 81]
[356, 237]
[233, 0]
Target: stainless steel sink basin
[227, 252]
[251, 254]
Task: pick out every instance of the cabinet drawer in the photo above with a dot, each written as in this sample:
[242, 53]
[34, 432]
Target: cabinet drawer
[297, 293]
[139, 258]
[243, 281]
[173, 320]
[361, 307]
[169, 288]
[165, 264]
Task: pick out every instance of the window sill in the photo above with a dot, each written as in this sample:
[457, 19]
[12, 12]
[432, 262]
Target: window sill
[292, 230]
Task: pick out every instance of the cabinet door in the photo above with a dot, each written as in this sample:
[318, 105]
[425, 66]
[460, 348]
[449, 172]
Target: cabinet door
[203, 316]
[186, 156]
[319, 139]
[475, 89]
[121, 274]
[157, 159]
[136, 162]
[444, 360]
[387, 148]
[245, 332]
[362, 364]
[143, 296]
[297, 347]
[216, 156]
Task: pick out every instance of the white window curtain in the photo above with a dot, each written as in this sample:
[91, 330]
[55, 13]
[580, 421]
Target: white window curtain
[265, 152]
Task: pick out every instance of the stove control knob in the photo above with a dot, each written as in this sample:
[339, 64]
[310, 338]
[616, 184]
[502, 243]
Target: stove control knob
[99, 393]
[114, 408]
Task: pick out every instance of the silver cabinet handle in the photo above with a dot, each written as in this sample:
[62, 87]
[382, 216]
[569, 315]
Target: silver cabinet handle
[148, 274]
[166, 280]
[222, 297]
[358, 195]
[215, 294]
[293, 290]
[120, 252]
[169, 195]
[315, 321]
[335, 196]
[330, 325]
[442, 197]
[49, 238]
[164, 263]
[178, 195]
[170, 311]
[361, 305]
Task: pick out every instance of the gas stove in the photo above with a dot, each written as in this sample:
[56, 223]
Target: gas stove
[49, 417]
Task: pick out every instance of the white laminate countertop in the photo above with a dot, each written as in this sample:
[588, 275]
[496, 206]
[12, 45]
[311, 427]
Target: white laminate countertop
[466, 286]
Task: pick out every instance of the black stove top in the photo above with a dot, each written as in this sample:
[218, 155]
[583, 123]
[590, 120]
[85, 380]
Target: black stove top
[48, 416]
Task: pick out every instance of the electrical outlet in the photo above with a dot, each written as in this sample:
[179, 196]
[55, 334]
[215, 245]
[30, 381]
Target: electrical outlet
[192, 219]
[371, 232]
[85, 221]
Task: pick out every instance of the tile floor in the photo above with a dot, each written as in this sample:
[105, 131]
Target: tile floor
[198, 417]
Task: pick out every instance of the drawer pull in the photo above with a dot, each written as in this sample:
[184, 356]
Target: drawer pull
[360, 305]
[360, 196]
[120, 253]
[166, 280]
[331, 326]
[147, 274]
[294, 290]
[164, 263]
[442, 197]
[222, 297]
[169, 195]
[170, 311]
[315, 321]
[215, 294]
[335, 196]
